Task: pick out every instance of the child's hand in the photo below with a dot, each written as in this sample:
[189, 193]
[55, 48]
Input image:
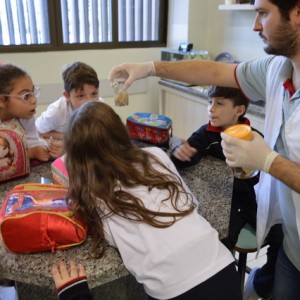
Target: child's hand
[62, 275]
[184, 152]
[55, 147]
[39, 152]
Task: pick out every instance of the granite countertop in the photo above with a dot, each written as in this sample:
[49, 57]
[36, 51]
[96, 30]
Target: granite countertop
[201, 91]
[210, 181]
[36, 268]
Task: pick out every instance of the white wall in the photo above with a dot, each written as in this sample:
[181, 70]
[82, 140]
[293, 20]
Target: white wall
[232, 31]
[45, 69]
[200, 22]
[178, 22]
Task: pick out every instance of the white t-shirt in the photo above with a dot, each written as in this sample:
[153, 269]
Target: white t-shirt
[167, 261]
[55, 117]
[31, 133]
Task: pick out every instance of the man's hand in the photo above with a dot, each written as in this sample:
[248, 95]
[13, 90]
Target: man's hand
[62, 275]
[131, 72]
[255, 154]
[184, 152]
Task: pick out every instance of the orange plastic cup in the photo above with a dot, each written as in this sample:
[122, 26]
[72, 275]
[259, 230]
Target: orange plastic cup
[240, 131]
[244, 132]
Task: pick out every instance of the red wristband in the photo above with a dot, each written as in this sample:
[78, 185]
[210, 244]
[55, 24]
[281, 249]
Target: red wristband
[71, 282]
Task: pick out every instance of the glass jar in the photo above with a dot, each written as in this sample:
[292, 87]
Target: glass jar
[120, 95]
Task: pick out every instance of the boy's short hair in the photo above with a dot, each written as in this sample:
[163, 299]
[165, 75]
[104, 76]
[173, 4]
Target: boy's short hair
[233, 94]
[77, 74]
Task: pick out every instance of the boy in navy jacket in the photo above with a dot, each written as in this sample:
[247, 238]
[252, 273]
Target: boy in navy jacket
[227, 107]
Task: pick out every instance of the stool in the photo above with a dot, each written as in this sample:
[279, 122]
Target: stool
[246, 244]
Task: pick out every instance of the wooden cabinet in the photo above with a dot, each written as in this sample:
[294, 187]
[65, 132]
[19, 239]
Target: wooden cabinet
[188, 112]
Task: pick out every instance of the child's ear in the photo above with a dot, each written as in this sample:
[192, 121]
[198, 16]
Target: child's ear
[241, 110]
[67, 96]
[2, 103]
[295, 14]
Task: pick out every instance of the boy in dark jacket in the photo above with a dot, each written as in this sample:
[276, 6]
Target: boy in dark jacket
[227, 107]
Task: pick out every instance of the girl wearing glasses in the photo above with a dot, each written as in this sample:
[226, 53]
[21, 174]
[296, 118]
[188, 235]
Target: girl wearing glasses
[18, 100]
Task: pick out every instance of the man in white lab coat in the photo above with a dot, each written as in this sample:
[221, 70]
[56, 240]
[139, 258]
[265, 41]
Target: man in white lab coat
[275, 78]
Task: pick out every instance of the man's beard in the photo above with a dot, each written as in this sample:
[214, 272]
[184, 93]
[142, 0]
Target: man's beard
[284, 41]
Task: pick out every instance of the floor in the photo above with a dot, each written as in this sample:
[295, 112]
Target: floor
[253, 262]
[8, 293]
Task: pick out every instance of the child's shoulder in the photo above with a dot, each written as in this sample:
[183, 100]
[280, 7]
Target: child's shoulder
[13, 124]
[60, 106]
[59, 103]
[153, 149]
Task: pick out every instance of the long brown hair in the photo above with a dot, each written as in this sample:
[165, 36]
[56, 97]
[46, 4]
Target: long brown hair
[101, 160]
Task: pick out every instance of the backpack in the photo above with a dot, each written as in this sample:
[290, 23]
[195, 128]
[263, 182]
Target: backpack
[36, 217]
[150, 128]
[14, 160]
[59, 171]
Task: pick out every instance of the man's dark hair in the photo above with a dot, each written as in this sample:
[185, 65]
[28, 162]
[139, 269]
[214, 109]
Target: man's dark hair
[285, 7]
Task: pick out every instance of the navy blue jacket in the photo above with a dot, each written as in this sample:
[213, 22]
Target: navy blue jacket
[207, 141]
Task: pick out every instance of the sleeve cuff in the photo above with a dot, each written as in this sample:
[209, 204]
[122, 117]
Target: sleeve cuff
[71, 283]
[78, 290]
[269, 160]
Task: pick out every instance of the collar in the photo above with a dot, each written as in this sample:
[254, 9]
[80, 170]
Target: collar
[219, 129]
[7, 121]
[288, 85]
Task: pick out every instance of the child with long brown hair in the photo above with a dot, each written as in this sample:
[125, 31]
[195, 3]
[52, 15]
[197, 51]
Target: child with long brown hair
[135, 200]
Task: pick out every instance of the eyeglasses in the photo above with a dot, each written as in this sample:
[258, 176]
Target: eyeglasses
[26, 97]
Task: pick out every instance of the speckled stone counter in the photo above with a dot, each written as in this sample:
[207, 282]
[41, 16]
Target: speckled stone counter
[210, 181]
[109, 279]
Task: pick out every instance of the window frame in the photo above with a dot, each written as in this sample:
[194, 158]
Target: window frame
[56, 34]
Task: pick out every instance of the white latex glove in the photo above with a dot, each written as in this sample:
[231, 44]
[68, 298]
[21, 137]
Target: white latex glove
[255, 154]
[184, 152]
[132, 72]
